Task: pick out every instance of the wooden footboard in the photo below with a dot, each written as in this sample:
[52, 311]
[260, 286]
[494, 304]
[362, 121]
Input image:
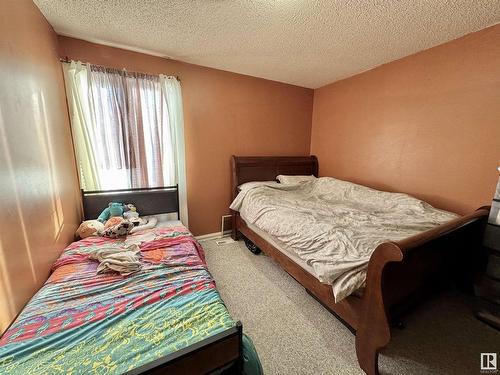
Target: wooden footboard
[398, 274]
[221, 351]
[402, 273]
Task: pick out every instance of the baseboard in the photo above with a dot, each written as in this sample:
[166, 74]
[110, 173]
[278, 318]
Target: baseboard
[212, 236]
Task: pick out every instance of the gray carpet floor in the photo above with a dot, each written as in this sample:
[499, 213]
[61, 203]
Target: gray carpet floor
[294, 334]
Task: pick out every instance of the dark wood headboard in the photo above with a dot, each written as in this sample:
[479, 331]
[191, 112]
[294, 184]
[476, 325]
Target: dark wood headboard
[266, 168]
[149, 201]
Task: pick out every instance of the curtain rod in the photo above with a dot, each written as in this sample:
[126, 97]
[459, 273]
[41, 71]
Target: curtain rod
[68, 60]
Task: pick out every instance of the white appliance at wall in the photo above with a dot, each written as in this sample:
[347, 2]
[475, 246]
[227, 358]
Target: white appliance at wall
[494, 218]
[488, 289]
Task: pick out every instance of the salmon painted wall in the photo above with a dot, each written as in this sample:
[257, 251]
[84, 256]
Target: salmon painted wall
[224, 114]
[428, 124]
[39, 198]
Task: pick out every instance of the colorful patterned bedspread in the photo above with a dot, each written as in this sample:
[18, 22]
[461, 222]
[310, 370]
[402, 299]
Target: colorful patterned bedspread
[81, 322]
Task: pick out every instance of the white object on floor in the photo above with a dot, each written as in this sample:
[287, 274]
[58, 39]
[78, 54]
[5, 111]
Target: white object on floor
[212, 236]
[225, 241]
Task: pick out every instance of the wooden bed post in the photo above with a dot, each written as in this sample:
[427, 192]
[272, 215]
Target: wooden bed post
[234, 192]
[235, 235]
[374, 332]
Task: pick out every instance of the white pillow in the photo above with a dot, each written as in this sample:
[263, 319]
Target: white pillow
[285, 179]
[254, 184]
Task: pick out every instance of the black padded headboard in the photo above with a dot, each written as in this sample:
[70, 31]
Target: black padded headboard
[149, 201]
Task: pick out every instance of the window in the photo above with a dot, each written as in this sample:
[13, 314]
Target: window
[127, 128]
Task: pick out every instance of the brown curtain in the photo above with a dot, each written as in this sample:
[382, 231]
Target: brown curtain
[128, 124]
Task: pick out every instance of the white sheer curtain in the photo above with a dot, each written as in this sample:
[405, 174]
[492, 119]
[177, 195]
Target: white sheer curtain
[82, 123]
[171, 89]
[128, 129]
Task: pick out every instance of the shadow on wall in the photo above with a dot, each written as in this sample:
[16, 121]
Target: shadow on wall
[37, 200]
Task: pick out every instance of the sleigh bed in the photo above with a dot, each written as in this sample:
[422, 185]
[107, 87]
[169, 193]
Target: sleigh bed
[399, 273]
[166, 318]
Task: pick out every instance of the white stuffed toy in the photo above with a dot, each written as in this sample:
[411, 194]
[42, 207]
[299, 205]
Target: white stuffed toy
[139, 223]
[132, 215]
[150, 223]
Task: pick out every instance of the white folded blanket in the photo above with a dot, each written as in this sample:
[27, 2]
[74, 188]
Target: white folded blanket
[125, 259]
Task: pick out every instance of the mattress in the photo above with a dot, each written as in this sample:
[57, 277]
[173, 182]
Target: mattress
[82, 322]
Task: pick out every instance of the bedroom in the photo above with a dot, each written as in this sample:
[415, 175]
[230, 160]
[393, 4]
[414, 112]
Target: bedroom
[397, 96]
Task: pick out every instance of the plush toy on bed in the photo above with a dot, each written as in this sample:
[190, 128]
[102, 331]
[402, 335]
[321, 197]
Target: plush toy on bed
[121, 219]
[90, 228]
[132, 215]
[116, 227]
[114, 209]
[139, 223]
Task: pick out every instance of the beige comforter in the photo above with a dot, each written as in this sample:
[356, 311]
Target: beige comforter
[335, 225]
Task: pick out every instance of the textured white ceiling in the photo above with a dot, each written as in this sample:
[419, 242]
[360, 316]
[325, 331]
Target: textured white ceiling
[306, 43]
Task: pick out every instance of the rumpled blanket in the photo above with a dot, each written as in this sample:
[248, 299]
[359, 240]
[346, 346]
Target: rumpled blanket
[122, 259]
[335, 225]
[81, 322]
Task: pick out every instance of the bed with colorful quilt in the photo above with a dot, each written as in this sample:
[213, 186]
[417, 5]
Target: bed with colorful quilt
[166, 317]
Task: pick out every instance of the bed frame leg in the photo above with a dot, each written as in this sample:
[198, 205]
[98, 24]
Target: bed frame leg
[399, 324]
[374, 331]
[235, 234]
[367, 355]
[239, 363]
